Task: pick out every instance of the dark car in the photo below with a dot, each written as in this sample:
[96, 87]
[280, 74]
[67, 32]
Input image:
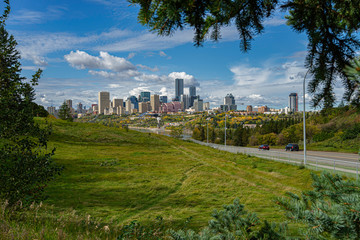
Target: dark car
[292, 147]
[264, 147]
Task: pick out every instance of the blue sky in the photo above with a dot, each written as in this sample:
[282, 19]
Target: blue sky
[87, 46]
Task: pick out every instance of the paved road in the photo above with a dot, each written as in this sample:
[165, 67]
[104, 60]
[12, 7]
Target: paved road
[345, 162]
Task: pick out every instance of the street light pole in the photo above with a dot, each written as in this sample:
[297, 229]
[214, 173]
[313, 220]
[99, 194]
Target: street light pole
[304, 119]
[225, 128]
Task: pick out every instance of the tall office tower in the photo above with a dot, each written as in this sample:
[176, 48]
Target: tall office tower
[117, 102]
[163, 99]
[293, 102]
[144, 97]
[229, 103]
[69, 103]
[79, 107]
[51, 110]
[134, 101]
[104, 101]
[155, 103]
[206, 106]
[198, 105]
[192, 91]
[179, 88]
[128, 106]
[229, 99]
[185, 103]
[143, 107]
[249, 108]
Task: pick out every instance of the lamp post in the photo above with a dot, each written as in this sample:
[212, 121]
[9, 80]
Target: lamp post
[225, 128]
[304, 120]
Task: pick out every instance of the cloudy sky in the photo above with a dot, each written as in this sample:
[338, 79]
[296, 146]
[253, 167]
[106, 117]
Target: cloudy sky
[87, 46]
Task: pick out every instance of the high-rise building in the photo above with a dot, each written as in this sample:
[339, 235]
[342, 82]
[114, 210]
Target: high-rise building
[79, 107]
[293, 102]
[144, 97]
[179, 88]
[104, 101]
[206, 106]
[69, 103]
[192, 91]
[128, 106]
[229, 103]
[143, 107]
[229, 99]
[51, 110]
[134, 101]
[185, 101]
[155, 103]
[198, 105]
[117, 102]
[163, 99]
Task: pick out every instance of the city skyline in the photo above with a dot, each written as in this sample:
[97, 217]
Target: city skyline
[88, 45]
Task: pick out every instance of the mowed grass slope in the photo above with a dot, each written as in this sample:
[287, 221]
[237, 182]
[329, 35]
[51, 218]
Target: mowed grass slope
[119, 176]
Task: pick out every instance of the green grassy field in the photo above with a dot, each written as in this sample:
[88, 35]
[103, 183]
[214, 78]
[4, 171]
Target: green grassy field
[117, 176]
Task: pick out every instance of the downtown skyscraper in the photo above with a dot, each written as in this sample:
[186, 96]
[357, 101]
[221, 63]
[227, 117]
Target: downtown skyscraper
[179, 88]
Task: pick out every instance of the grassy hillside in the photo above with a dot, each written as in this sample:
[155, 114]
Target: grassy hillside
[117, 176]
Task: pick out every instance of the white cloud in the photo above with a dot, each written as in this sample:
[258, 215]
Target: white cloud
[245, 75]
[189, 80]
[131, 55]
[82, 60]
[25, 16]
[275, 21]
[155, 69]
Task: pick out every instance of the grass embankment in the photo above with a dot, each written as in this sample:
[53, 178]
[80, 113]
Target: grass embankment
[118, 176]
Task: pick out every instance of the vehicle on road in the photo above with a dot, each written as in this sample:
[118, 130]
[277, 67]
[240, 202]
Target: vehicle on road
[264, 147]
[292, 147]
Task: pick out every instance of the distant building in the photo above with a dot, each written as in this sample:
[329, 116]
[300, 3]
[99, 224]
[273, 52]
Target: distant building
[171, 107]
[117, 102]
[143, 107]
[293, 102]
[185, 101]
[192, 91]
[95, 108]
[69, 103]
[128, 106]
[134, 101]
[144, 97]
[179, 88]
[163, 99]
[79, 108]
[249, 108]
[263, 109]
[229, 103]
[51, 110]
[198, 105]
[120, 110]
[155, 103]
[206, 106]
[104, 101]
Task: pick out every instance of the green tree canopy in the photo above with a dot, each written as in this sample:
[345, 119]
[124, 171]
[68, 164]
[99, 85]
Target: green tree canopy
[25, 165]
[65, 112]
[330, 25]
